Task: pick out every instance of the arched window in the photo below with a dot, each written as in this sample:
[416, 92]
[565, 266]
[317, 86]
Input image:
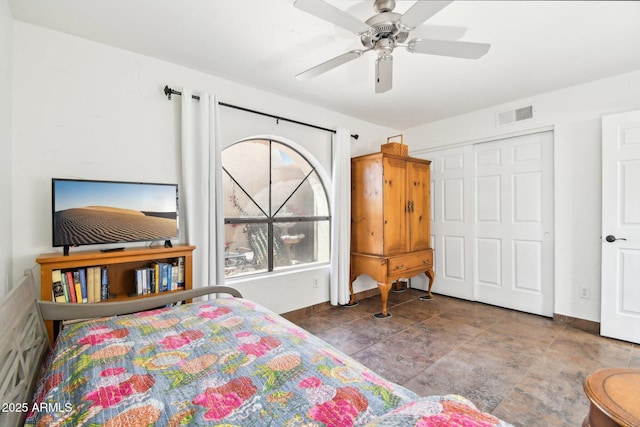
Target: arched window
[275, 207]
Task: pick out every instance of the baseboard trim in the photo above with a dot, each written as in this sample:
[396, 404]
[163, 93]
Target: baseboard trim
[582, 324]
[323, 306]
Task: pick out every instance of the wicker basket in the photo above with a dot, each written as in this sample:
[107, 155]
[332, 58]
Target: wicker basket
[397, 148]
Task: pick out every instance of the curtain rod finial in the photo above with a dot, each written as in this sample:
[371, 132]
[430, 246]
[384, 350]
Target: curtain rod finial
[356, 136]
[167, 91]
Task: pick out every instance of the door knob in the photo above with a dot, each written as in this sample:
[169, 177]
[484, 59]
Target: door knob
[611, 238]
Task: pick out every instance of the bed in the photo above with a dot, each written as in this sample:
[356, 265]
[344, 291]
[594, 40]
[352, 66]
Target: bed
[224, 362]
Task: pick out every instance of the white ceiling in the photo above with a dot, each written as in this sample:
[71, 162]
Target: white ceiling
[537, 46]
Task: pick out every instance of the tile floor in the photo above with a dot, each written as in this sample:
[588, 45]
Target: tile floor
[523, 368]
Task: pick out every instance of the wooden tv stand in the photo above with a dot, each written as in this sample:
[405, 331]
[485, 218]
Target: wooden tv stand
[122, 265]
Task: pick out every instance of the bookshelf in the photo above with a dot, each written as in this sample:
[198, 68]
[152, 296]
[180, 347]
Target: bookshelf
[121, 267]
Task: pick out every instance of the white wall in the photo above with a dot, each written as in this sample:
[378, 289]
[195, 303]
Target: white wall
[91, 111]
[6, 47]
[86, 110]
[574, 113]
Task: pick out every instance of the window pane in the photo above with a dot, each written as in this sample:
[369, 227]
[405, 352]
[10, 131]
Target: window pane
[248, 163]
[298, 243]
[237, 204]
[288, 170]
[245, 249]
[308, 200]
[282, 155]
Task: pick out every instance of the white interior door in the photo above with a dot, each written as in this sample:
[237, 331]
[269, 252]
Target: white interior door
[492, 222]
[513, 218]
[451, 225]
[620, 299]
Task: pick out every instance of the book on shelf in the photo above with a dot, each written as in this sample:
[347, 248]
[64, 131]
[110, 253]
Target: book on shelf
[155, 283]
[82, 277]
[151, 280]
[56, 286]
[71, 287]
[104, 284]
[95, 281]
[161, 277]
[97, 293]
[91, 297]
[180, 272]
[174, 276]
[140, 280]
[75, 277]
[65, 287]
[81, 285]
[156, 278]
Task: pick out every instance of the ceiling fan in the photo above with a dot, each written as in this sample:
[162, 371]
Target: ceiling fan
[385, 31]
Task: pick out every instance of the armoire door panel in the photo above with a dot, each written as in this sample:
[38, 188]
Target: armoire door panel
[420, 201]
[396, 228]
[366, 206]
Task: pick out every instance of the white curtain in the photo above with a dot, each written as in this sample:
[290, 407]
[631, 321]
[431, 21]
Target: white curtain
[341, 217]
[201, 213]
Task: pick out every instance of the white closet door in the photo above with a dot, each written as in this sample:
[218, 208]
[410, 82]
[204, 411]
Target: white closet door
[451, 224]
[492, 222]
[513, 216]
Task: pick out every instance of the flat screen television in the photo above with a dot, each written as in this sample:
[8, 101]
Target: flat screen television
[86, 212]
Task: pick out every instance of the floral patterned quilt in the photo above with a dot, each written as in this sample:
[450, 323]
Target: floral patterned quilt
[227, 362]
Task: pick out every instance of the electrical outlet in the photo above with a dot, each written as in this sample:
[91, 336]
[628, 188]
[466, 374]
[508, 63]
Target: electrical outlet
[315, 283]
[585, 293]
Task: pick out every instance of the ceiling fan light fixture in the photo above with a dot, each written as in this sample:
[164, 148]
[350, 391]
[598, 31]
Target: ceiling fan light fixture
[384, 73]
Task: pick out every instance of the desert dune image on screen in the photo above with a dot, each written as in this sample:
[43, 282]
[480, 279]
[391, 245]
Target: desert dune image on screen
[90, 212]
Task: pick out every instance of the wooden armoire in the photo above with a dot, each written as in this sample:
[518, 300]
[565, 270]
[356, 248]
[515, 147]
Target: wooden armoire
[390, 219]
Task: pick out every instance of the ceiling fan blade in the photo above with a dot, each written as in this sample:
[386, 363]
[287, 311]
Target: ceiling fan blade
[332, 14]
[330, 64]
[421, 11]
[458, 49]
[384, 73]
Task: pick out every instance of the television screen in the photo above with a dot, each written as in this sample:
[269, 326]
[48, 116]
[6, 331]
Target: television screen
[97, 212]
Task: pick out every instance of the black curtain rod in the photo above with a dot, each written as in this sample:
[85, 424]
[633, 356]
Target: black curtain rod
[168, 92]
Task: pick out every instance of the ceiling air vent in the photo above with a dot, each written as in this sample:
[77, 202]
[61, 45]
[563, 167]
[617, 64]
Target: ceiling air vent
[512, 116]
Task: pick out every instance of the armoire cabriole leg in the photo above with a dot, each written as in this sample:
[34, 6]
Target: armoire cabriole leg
[352, 298]
[384, 287]
[431, 275]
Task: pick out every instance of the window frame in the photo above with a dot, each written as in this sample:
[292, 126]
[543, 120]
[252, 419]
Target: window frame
[270, 219]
